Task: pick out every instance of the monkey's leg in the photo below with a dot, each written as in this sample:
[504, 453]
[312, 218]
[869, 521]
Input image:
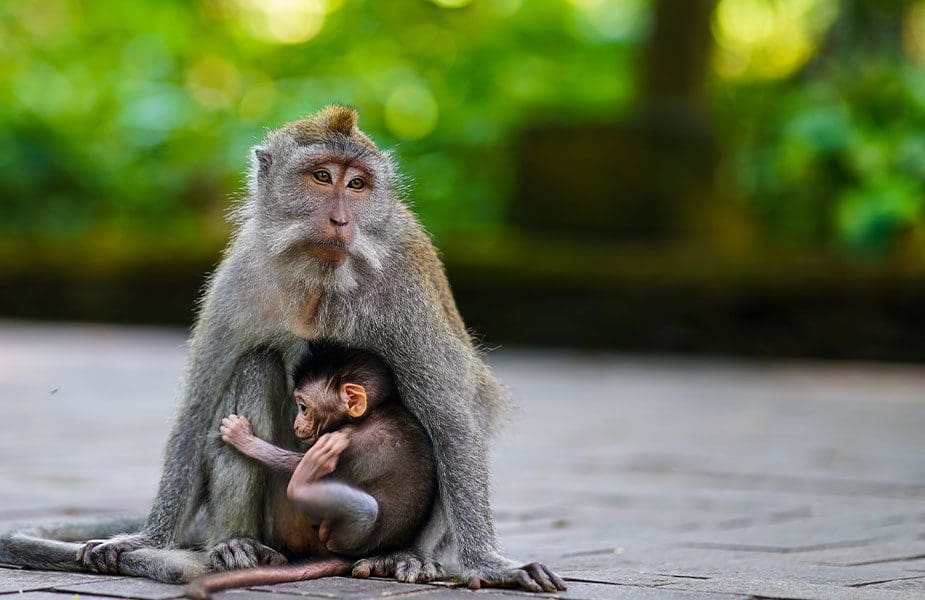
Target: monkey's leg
[237, 485]
[417, 566]
[55, 547]
[347, 514]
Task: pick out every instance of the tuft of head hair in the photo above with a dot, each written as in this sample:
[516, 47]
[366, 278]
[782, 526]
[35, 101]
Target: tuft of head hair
[336, 364]
[334, 122]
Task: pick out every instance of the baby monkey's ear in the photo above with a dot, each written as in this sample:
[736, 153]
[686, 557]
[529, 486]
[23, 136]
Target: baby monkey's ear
[354, 397]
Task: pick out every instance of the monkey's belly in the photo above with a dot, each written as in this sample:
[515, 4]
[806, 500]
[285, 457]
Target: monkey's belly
[296, 532]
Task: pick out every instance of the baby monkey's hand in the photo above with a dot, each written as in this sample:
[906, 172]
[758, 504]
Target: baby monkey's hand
[236, 430]
[321, 458]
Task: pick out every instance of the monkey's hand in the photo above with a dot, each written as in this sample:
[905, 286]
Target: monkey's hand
[408, 567]
[236, 431]
[498, 571]
[243, 553]
[102, 556]
[321, 458]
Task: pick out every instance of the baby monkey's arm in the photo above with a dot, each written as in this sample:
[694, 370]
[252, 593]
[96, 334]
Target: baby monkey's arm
[236, 431]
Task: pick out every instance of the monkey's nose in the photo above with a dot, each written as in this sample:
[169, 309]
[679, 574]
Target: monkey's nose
[338, 223]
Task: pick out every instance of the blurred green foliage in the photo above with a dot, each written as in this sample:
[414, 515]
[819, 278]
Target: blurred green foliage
[135, 118]
[129, 123]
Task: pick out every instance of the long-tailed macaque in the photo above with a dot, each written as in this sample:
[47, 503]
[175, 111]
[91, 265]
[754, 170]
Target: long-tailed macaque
[365, 484]
[324, 248]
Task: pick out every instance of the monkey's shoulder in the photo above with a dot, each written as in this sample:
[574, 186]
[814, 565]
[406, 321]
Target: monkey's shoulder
[384, 444]
[392, 426]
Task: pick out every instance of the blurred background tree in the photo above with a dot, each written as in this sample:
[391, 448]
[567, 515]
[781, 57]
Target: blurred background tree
[668, 173]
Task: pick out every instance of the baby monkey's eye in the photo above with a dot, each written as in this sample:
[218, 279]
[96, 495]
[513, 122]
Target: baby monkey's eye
[302, 408]
[357, 183]
[322, 175]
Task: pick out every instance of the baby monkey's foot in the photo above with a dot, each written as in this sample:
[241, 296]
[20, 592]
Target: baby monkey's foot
[235, 430]
[407, 567]
[243, 553]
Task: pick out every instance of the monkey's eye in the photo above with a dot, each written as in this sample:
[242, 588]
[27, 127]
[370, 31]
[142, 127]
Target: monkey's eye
[322, 176]
[357, 183]
[302, 408]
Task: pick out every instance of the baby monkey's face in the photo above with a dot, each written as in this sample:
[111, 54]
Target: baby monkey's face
[323, 408]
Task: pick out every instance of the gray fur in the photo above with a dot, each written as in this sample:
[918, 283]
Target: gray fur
[391, 296]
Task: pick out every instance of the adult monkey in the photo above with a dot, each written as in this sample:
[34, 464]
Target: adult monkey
[325, 248]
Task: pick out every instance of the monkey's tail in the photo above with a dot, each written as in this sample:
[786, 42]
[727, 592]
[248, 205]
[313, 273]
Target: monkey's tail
[203, 587]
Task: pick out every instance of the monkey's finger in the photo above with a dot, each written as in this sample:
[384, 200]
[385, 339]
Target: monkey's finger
[523, 581]
[556, 580]
[475, 582]
[430, 571]
[98, 557]
[407, 571]
[539, 576]
[242, 558]
[383, 567]
[362, 569]
[82, 551]
[112, 558]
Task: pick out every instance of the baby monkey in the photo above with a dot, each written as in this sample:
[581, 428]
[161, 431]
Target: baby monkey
[364, 486]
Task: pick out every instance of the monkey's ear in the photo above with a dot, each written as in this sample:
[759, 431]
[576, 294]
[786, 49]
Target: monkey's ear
[354, 397]
[264, 160]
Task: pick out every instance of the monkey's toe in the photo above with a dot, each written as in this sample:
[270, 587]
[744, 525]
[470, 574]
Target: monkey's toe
[431, 570]
[408, 570]
[243, 553]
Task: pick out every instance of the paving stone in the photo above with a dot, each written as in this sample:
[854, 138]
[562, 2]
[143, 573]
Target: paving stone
[18, 580]
[126, 587]
[792, 590]
[346, 587]
[912, 583]
[581, 591]
[51, 596]
[261, 595]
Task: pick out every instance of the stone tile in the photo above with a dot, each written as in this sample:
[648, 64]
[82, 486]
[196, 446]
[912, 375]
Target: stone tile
[580, 591]
[914, 583]
[796, 590]
[347, 587]
[260, 595]
[43, 595]
[18, 580]
[877, 552]
[126, 587]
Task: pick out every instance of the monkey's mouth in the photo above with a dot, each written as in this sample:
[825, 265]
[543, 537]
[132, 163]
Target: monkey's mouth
[330, 251]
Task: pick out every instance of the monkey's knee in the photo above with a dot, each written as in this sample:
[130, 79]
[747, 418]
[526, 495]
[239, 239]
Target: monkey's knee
[349, 514]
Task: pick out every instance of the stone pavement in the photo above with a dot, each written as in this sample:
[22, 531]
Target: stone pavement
[633, 477]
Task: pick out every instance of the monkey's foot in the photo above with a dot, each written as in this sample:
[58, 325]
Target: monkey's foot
[243, 553]
[500, 572]
[407, 567]
[102, 556]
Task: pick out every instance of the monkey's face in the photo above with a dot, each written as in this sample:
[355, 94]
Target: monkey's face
[328, 202]
[322, 409]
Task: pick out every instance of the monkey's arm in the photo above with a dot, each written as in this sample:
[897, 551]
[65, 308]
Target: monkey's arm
[236, 431]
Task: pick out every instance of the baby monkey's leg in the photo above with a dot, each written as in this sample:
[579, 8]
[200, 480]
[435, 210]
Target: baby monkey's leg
[347, 516]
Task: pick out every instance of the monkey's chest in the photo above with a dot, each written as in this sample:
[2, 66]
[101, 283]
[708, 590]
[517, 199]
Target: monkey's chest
[302, 319]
